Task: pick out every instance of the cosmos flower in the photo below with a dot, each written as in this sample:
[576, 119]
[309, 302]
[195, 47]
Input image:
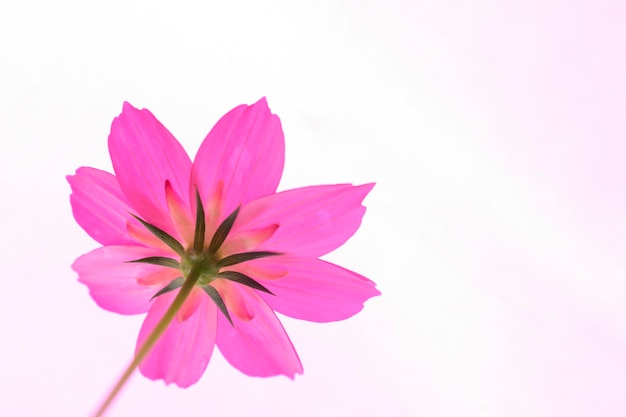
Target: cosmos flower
[217, 230]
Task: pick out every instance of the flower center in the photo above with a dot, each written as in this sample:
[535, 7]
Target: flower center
[200, 264]
[205, 263]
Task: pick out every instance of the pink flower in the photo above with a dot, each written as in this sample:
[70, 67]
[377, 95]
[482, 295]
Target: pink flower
[252, 251]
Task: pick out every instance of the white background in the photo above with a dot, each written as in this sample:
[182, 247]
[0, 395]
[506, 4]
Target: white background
[495, 232]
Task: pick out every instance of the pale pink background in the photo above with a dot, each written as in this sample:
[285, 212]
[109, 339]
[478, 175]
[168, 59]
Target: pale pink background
[495, 131]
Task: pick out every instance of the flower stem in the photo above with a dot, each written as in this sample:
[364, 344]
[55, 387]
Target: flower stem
[185, 290]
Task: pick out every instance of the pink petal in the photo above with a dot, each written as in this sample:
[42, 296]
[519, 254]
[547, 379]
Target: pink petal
[246, 151]
[266, 269]
[234, 301]
[118, 285]
[312, 221]
[190, 305]
[259, 346]
[180, 214]
[183, 352]
[99, 206]
[318, 291]
[143, 237]
[145, 155]
[248, 240]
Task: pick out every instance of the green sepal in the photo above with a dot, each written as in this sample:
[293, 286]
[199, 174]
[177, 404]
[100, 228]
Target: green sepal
[243, 257]
[243, 279]
[159, 260]
[163, 236]
[219, 302]
[222, 231]
[175, 283]
[198, 239]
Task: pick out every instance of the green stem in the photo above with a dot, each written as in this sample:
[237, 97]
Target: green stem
[158, 331]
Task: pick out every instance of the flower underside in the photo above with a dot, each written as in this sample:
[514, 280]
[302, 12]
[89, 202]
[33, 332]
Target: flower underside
[204, 265]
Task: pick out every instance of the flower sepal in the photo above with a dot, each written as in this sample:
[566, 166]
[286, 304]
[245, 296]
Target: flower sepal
[174, 284]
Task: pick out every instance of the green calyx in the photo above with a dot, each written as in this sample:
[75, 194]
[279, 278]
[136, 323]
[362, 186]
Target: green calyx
[204, 262]
[203, 266]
